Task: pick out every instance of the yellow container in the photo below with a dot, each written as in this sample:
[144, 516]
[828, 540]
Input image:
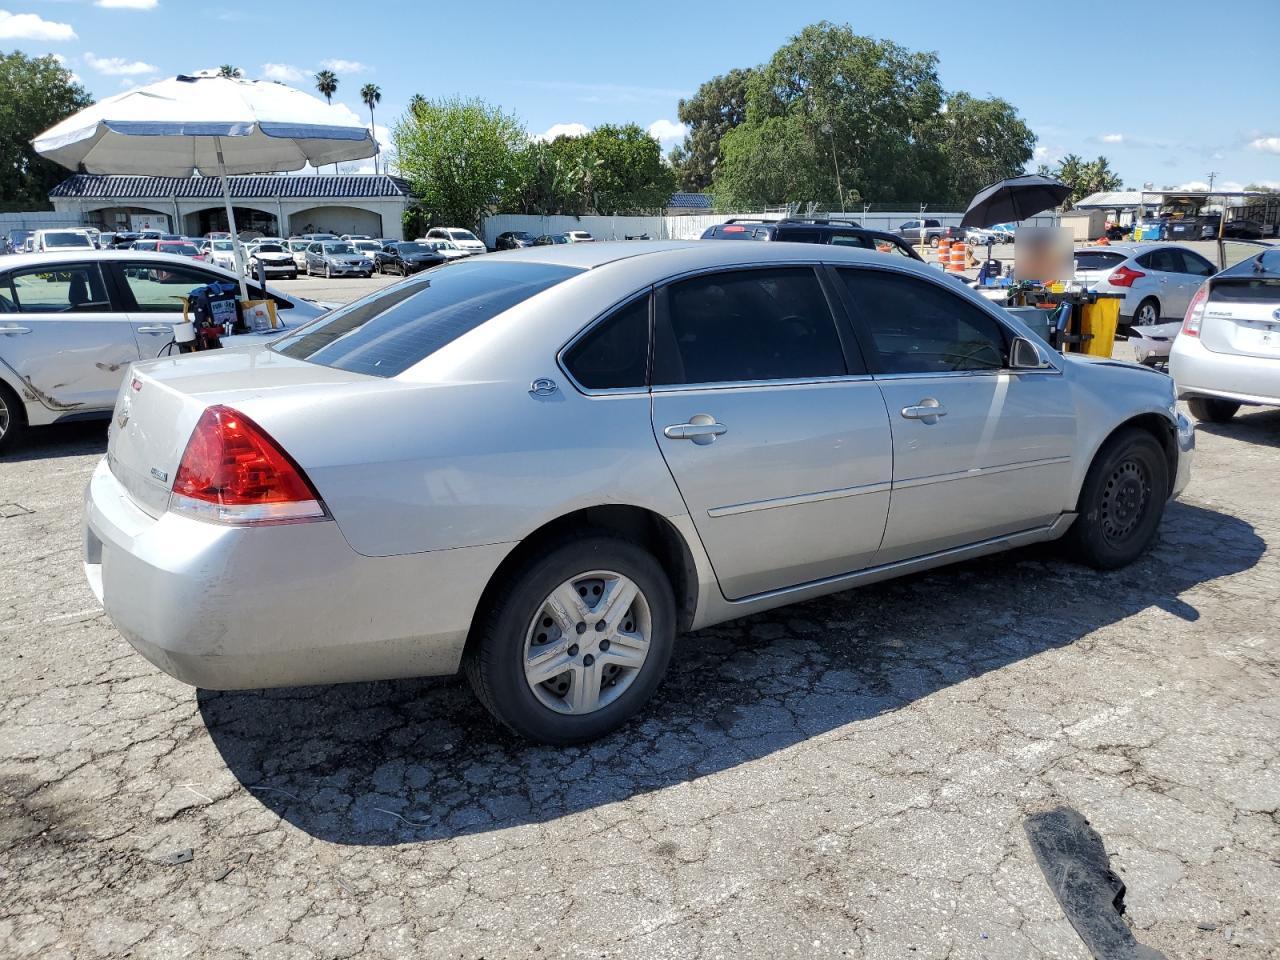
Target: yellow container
[1101, 320]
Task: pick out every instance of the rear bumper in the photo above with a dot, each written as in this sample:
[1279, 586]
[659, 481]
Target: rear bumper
[1199, 372]
[236, 608]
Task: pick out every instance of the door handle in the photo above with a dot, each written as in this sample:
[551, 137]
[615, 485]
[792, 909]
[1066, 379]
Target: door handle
[12, 331]
[927, 410]
[155, 329]
[701, 429]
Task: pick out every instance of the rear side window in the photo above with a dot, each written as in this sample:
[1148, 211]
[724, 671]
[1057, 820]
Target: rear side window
[614, 354]
[389, 331]
[859, 240]
[745, 325]
[800, 236]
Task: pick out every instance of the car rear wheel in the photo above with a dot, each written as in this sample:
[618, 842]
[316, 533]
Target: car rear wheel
[1121, 502]
[576, 643]
[933, 242]
[1212, 409]
[13, 419]
[328, 272]
[1148, 312]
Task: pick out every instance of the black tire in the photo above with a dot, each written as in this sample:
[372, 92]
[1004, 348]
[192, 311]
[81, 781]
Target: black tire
[933, 243]
[495, 658]
[1212, 409]
[1140, 320]
[328, 272]
[13, 419]
[1121, 502]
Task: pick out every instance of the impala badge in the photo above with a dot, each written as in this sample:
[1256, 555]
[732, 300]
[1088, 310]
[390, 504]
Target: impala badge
[543, 387]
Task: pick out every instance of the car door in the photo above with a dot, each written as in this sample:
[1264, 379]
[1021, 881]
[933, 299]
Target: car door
[1163, 267]
[1194, 271]
[978, 450]
[774, 433]
[63, 336]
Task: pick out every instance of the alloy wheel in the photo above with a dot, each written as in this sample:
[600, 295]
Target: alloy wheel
[1147, 314]
[1125, 496]
[5, 416]
[588, 642]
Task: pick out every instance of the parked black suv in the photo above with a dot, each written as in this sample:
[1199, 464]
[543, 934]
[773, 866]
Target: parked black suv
[836, 232]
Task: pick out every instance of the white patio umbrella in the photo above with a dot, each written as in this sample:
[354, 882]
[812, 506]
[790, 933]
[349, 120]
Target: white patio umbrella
[212, 125]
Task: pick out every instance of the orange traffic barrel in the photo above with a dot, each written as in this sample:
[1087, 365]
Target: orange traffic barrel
[956, 261]
[944, 249]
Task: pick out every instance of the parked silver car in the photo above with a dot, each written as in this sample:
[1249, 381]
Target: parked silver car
[1228, 351]
[1157, 281]
[543, 464]
[72, 322]
[337, 258]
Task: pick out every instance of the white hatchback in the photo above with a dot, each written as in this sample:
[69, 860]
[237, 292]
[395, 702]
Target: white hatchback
[464, 240]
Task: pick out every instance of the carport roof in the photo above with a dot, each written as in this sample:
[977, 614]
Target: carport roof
[91, 186]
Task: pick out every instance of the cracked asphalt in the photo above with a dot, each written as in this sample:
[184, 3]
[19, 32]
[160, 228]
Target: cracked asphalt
[848, 777]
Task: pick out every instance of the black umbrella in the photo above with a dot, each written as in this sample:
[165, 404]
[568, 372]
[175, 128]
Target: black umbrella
[1014, 199]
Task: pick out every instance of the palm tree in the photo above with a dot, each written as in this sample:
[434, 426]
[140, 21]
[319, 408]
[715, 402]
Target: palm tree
[228, 70]
[372, 96]
[327, 84]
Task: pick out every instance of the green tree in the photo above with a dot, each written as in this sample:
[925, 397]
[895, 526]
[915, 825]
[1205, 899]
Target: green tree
[719, 105]
[327, 84]
[230, 70]
[371, 94]
[627, 171]
[978, 142]
[35, 93]
[843, 102]
[460, 156]
[1083, 177]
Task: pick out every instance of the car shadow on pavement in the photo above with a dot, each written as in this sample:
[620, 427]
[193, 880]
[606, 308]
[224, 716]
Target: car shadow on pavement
[76, 439]
[406, 761]
[1259, 425]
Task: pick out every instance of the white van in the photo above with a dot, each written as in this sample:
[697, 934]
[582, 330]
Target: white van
[46, 241]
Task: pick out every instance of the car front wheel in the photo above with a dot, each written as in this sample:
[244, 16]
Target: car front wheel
[576, 643]
[1212, 409]
[1121, 502]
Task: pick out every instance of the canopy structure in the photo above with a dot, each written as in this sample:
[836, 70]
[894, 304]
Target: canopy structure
[206, 124]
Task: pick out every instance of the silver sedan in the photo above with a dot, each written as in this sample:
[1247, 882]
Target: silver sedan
[543, 465]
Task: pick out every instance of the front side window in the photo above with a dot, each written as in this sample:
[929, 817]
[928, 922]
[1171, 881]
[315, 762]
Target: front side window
[389, 331]
[65, 288]
[746, 325]
[917, 327]
[614, 354]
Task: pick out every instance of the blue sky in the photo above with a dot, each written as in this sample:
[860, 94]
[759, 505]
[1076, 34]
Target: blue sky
[1166, 90]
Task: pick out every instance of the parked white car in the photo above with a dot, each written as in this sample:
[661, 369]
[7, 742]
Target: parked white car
[446, 248]
[275, 259]
[298, 250]
[72, 321]
[222, 254]
[579, 236]
[1228, 351]
[1157, 280]
[464, 240]
[368, 249]
[45, 241]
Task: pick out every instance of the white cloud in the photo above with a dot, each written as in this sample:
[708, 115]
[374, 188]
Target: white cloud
[118, 66]
[1112, 138]
[31, 26]
[127, 4]
[562, 130]
[1040, 153]
[667, 132]
[346, 66]
[1266, 144]
[284, 72]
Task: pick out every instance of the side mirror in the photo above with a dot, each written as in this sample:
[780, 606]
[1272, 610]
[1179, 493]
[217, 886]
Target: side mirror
[1025, 355]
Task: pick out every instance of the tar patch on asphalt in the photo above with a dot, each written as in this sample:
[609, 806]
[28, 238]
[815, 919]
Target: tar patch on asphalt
[1074, 861]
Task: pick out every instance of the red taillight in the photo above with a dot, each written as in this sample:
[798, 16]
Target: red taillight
[1195, 312]
[233, 472]
[1124, 277]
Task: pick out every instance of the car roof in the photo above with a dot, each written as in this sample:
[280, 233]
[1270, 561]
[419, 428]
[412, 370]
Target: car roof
[698, 254]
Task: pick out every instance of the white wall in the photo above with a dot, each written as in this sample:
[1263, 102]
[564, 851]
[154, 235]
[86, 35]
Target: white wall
[36, 219]
[687, 227]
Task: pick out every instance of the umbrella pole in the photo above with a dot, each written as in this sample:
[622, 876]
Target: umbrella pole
[231, 221]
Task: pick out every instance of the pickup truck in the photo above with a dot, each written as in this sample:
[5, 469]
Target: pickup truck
[933, 232]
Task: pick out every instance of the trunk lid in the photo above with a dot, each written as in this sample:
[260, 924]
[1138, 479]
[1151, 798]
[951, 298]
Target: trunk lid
[161, 400]
[1242, 317]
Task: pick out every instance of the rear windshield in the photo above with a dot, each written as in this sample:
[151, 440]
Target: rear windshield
[67, 240]
[1097, 260]
[1239, 290]
[181, 249]
[462, 235]
[386, 333]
